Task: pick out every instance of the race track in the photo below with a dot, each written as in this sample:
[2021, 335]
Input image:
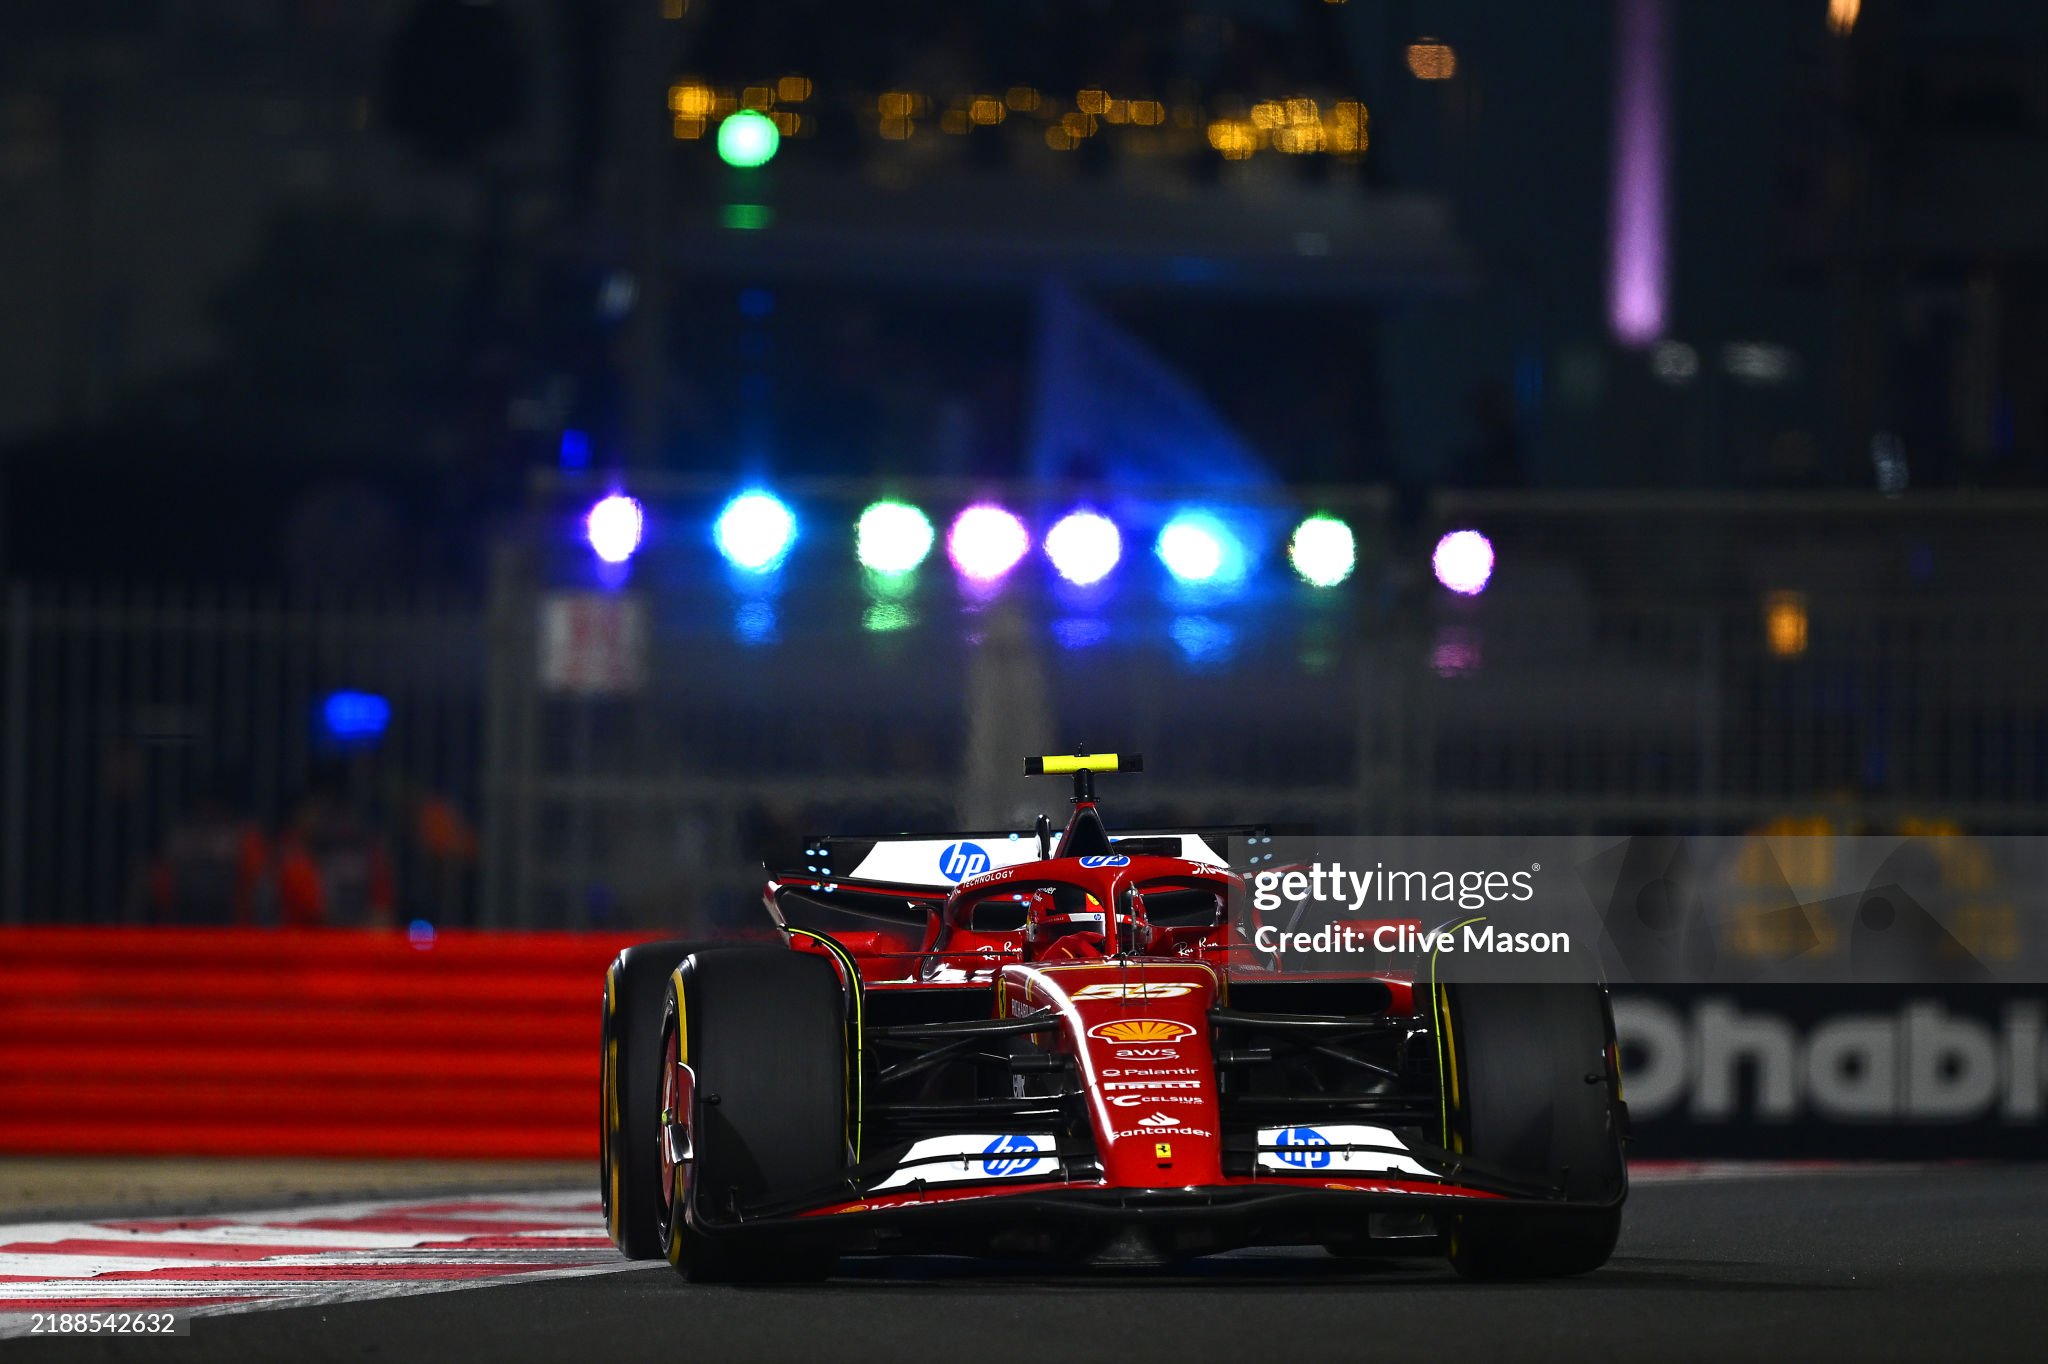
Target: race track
[1934, 1263]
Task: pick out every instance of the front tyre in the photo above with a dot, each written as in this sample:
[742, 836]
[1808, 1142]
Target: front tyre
[754, 1084]
[629, 1167]
[1532, 1090]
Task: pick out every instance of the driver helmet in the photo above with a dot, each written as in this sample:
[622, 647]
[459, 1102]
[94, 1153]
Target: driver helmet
[1067, 921]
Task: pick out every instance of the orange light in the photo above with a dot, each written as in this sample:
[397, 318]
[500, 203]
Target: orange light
[1236, 138]
[1430, 60]
[895, 104]
[1092, 101]
[757, 97]
[690, 99]
[793, 89]
[1842, 16]
[1344, 128]
[1785, 623]
[985, 110]
[1022, 98]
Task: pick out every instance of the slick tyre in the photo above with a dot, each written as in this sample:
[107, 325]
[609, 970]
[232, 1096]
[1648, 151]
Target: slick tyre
[629, 1120]
[1532, 1092]
[762, 1036]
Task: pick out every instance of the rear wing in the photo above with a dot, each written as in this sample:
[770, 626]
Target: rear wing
[941, 861]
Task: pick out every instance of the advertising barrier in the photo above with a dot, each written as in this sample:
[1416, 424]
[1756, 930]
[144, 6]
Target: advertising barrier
[1835, 1072]
[240, 1042]
[245, 1042]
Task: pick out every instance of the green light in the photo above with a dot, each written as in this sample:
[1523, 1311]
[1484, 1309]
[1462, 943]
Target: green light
[746, 217]
[883, 617]
[747, 139]
[892, 537]
[1323, 550]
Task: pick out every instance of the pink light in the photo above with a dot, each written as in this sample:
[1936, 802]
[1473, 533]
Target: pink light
[986, 542]
[1463, 562]
[1638, 263]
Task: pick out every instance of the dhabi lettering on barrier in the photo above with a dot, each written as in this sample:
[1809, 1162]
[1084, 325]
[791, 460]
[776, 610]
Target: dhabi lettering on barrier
[1834, 1071]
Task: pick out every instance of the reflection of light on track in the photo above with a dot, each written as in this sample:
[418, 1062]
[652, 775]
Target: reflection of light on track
[298, 1257]
[1702, 1171]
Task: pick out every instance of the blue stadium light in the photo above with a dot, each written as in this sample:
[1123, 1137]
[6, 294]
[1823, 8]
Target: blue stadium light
[755, 531]
[354, 717]
[573, 449]
[614, 527]
[1196, 547]
[1084, 546]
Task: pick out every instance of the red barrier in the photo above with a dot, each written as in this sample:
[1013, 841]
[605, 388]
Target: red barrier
[243, 1042]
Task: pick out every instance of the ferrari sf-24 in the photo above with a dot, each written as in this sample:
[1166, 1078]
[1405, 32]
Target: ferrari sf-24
[1067, 1045]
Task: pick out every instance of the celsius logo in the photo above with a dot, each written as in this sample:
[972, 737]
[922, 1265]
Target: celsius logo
[1305, 1148]
[1011, 1155]
[1106, 860]
[962, 860]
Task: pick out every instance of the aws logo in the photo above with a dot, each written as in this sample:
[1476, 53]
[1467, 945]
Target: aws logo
[958, 861]
[1141, 1030]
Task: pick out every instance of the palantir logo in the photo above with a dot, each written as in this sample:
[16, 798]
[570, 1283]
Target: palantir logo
[1305, 1148]
[1022, 1155]
[961, 860]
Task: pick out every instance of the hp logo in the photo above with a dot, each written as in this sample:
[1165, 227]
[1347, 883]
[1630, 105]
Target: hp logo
[1106, 860]
[1022, 1154]
[1310, 1148]
[962, 860]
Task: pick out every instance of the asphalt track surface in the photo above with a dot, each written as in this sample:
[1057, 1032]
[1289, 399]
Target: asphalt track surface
[1935, 1263]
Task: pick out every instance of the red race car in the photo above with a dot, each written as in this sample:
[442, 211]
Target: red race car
[1066, 1045]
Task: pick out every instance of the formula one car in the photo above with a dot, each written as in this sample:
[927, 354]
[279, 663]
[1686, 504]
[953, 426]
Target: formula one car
[1066, 1045]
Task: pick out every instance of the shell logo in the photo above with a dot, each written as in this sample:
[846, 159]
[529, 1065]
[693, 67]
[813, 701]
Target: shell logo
[1141, 1030]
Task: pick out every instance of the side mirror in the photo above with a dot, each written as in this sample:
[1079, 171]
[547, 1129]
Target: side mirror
[1044, 837]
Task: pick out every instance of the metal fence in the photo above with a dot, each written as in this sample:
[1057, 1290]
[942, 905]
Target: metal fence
[132, 719]
[625, 747]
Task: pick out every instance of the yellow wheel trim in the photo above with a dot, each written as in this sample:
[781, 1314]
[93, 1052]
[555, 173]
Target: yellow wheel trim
[854, 1103]
[675, 1193]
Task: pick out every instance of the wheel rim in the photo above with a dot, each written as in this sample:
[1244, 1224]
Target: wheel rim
[670, 1059]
